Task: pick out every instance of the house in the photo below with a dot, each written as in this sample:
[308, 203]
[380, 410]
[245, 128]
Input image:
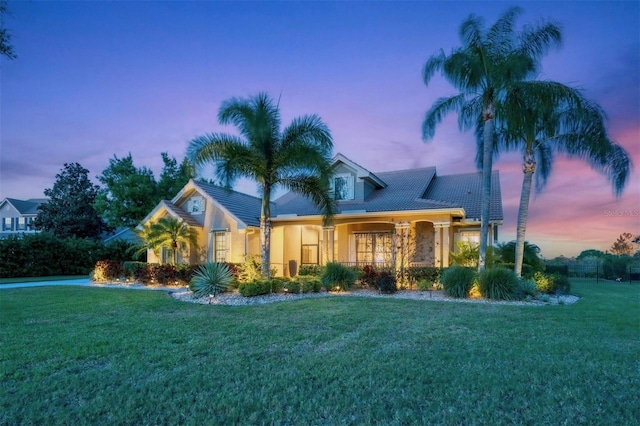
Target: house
[17, 216]
[414, 216]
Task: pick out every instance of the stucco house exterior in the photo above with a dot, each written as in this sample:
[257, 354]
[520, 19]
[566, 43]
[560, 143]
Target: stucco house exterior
[414, 214]
[17, 216]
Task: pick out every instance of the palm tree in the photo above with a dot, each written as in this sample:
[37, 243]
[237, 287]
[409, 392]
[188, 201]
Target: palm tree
[170, 233]
[557, 119]
[296, 158]
[484, 70]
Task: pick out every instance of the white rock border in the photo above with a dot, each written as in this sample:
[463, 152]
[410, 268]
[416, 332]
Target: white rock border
[236, 299]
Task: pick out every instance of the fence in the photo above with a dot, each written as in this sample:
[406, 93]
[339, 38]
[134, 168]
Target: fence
[604, 272]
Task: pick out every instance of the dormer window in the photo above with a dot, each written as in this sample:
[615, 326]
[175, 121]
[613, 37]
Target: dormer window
[342, 186]
[195, 205]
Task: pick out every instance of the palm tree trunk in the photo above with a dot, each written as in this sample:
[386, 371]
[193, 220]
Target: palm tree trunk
[487, 160]
[528, 168]
[265, 231]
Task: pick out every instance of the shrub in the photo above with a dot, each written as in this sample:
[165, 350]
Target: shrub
[386, 282]
[457, 281]
[292, 287]
[427, 273]
[369, 276]
[498, 283]
[424, 285]
[108, 270]
[210, 279]
[255, 288]
[313, 270]
[338, 277]
[132, 269]
[309, 283]
[526, 288]
[552, 283]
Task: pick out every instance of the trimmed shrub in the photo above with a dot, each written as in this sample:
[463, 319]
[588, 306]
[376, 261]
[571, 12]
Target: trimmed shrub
[313, 270]
[255, 288]
[457, 281]
[309, 283]
[386, 282]
[338, 277]
[132, 269]
[210, 279]
[292, 287]
[428, 273]
[498, 283]
[424, 285]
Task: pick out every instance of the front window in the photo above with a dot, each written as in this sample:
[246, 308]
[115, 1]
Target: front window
[220, 246]
[374, 248]
[310, 254]
[7, 224]
[22, 224]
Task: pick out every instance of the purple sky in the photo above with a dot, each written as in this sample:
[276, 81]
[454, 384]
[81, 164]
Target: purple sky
[98, 79]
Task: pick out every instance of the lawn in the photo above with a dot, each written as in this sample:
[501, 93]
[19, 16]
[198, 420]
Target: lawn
[40, 279]
[77, 355]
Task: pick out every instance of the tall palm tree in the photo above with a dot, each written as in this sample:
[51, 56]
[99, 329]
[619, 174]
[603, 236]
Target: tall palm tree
[549, 118]
[484, 70]
[169, 233]
[296, 158]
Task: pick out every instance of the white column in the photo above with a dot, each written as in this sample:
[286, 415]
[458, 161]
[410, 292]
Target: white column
[442, 243]
[437, 245]
[328, 240]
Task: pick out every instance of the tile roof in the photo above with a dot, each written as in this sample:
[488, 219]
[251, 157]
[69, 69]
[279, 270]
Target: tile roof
[465, 190]
[177, 211]
[415, 189]
[243, 206]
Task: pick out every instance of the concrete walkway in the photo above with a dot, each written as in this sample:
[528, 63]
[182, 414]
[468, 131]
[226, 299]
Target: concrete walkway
[85, 282]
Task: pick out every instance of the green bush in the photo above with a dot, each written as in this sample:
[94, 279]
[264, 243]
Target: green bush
[132, 269]
[552, 283]
[457, 281]
[255, 288]
[386, 282]
[526, 288]
[309, 283]
[210, 279]
[424, 285]
[498, 283]
[424, 273]
[338, 277]
[292, 287]
[314, 270]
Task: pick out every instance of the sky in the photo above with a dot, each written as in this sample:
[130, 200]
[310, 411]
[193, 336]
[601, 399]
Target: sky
[94, 80]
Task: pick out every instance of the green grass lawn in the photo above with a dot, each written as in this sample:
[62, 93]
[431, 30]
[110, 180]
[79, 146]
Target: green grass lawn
[77, 355]
[39, 279]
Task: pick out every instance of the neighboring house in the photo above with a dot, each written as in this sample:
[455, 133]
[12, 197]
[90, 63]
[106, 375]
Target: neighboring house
[17, 216]
[410, 216]
[123, 234]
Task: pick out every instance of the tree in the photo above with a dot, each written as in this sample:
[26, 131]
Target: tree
[484, 70]
[508, 253]
[69, 211]
[296, 158]
[129, 193]
[168, 233]
[547, 118]
[623, 245]
[590, 253]
[173, 176]
[6, 49]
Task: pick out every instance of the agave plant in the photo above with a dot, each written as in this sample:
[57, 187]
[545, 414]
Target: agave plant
[210, 279]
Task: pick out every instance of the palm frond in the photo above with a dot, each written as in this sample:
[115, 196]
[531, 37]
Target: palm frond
[438, 111]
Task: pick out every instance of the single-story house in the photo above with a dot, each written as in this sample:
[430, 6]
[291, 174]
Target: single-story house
[414, 216]
[17, 216]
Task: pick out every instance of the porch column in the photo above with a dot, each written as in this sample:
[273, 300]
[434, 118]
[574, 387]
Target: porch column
[328, 241]
[402, 245]
[441, 243]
